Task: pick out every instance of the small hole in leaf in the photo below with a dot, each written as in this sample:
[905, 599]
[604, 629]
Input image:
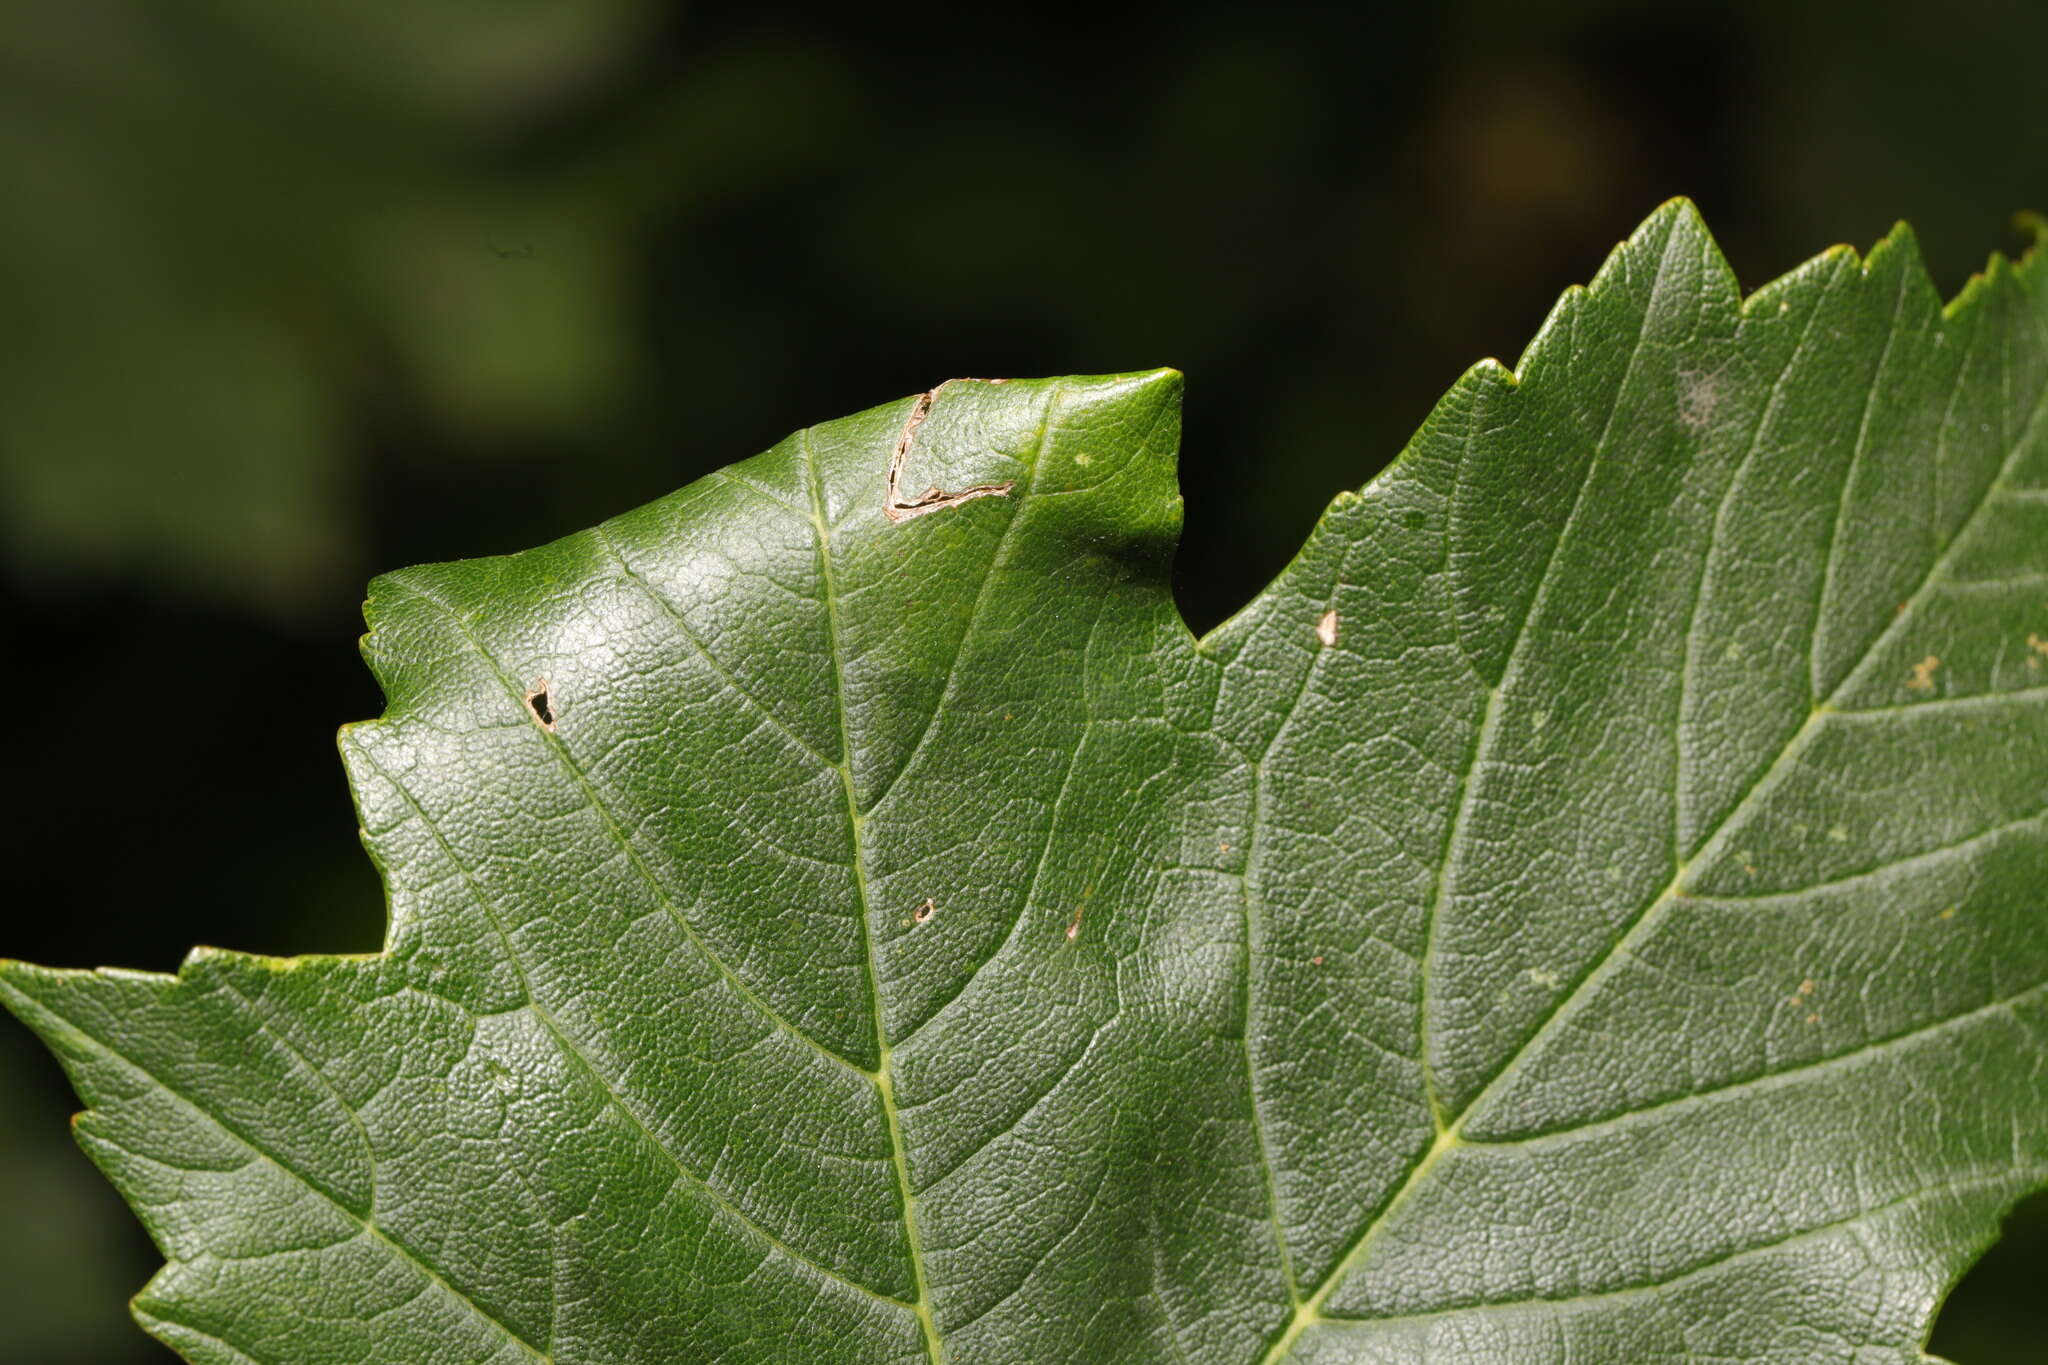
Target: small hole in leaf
[924, 912]
[541, 702]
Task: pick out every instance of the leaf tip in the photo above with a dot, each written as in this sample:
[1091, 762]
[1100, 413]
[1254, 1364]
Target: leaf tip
[1152, 390]
[1683, 212]
[1495, 369]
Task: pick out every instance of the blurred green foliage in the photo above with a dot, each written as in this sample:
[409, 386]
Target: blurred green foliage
[220, 214]
[293, 293]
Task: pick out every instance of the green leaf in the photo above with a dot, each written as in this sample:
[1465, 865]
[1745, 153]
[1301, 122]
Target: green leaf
[1588, 908]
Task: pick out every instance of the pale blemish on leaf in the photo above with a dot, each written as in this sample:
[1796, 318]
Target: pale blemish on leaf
[1922, 679]
[1326, 628]
[1699, 397]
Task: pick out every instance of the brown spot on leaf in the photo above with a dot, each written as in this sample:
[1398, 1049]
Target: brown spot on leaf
[923, 912]
[1923, 674]
[540, 702]
[934, 498]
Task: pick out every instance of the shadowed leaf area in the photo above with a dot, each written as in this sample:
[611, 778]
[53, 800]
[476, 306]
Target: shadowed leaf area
[1587, 908]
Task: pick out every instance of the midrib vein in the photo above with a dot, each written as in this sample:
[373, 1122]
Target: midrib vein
[884, 1073]
[580, 1055]
[626, 845]
[1455, 837]
[1309, 1312]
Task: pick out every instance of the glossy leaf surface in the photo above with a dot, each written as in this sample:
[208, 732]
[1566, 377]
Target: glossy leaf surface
[1589, 907]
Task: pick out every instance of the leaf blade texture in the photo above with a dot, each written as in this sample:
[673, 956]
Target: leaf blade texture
[1586, 908]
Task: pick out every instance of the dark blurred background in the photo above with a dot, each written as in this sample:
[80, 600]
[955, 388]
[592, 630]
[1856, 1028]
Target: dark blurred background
[293, 293]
